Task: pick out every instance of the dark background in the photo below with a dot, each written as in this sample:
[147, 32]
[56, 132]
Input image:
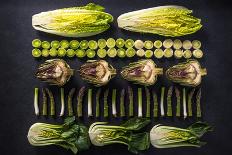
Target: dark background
[17, 79]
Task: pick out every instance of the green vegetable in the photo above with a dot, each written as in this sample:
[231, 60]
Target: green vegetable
[168, 137]
[45, 52]
[140, 102]
[36, 53]
[187, 54]
[90, 104]
[177, 92]
[74, 44]
[198, 53]
[36, 101]
[187, 44]
[97, 72]
[101, 53]
[120, 42]
[142, 72]
[68, 135]
[110, 43]
[121, 53]
[196, 44]
[80, 53]
[62, 52]
[184, 104]
[62, 101]
[168, 43]
[155, 100]
[158, 44]
[130, 52]
[158, 53]
[52, 102]
[83, 21]
[98, 102]
[169, 101]
[163, 20]
[177, 44]
[190, 96]
[90, 53]
[36, 43]
[178, 53]
[188, 73]
[114, 96]
[148, 44]
[54, 71]
[129, 43]
[162, 101]
[83, 44]
[45, 45]
[148, 53]
[70, 97]
[71, 53]
[53, 52]
[140, 53]
[92, 44]
[106, 106]
[102, 134]
[139, 44]
[148, 99]
[101, 43]
[80, 102]
[198, 102]
[55, 44]
[112, 52]
[168, 53]
[45, 103]
[64, 44]
[131, 101]
[122, 103]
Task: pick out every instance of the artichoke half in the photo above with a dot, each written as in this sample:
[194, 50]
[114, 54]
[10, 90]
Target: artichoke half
[142, 72]
[83, 21]
[97, 72]
[54, 71]
[187, 74]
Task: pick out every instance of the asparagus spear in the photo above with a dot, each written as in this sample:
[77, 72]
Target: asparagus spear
[190, 96]
[184, 104]
[169, 101]
[36, 101]
[198, 102]
[177, 92]
[122, 103]
[70, 97]
[114, 94]
[62, 101]
[131, 101]
[90, 110]
[52, 102]
[148, 95]
[106, 107]
[80, 102]
[140, 103]
[155, 100]
[98, 102]
[162, 101]
[45, 103]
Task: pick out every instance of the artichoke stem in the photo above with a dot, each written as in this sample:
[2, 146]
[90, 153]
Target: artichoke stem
[159, 71]
[203, 71]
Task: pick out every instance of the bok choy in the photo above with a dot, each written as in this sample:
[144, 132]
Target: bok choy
[73, 22]
[167, 137]
[68, 135]
[102, 134]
